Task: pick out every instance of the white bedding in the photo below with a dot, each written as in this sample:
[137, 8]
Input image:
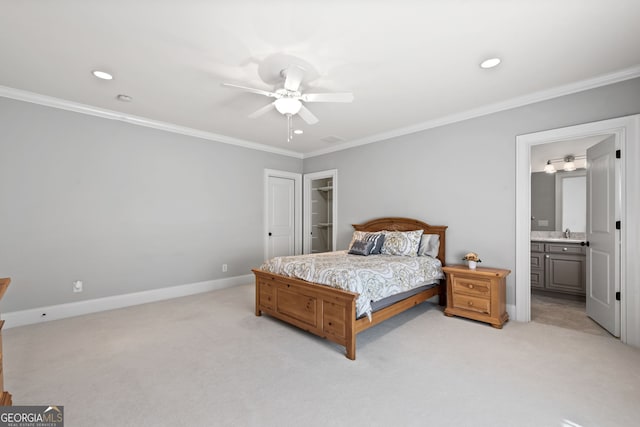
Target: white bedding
[373, 277]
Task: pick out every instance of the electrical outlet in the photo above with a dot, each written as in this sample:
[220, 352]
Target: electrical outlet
[224, 268]
[77, 286]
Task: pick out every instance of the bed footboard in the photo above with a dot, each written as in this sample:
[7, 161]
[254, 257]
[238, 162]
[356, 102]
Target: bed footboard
[326, 312]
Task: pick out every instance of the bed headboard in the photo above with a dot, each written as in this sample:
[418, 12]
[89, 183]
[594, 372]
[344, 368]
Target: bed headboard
[406, 224]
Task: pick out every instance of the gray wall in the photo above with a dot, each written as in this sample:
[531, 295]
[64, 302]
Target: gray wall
[461, 175]
[122, 207]
[543, 201]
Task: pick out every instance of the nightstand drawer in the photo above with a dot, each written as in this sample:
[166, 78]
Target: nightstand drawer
[466, 302]
[472, 286]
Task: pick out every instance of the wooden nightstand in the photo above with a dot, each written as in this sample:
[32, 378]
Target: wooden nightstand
[477, 294]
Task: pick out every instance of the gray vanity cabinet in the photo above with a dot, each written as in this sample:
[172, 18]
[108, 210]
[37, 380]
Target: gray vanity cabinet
[558, 267]
[537, 265]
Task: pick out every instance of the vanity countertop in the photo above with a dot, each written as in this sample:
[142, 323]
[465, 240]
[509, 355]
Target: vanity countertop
[557, 237]
[556, 240]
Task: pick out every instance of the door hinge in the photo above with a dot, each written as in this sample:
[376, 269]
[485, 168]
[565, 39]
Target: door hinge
[618, 154]
[617, 225]
[618, 296]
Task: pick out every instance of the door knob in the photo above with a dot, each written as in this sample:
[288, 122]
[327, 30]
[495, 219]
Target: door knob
[269, 234]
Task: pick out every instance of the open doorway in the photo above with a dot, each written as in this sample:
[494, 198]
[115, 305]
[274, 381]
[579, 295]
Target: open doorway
[627, 135]
[320, 211]
[559, 234]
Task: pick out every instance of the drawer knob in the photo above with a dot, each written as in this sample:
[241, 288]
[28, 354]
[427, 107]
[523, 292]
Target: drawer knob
[470, 303]
[470, 286]
[565, 249]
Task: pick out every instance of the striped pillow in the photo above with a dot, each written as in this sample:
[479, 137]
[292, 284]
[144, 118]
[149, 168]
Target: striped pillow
[376, 238]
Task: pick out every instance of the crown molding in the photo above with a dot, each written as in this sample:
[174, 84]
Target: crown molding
[49, 101]
[568, 89]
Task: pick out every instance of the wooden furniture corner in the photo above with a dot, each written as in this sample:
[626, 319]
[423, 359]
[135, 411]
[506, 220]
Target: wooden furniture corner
[5, 399]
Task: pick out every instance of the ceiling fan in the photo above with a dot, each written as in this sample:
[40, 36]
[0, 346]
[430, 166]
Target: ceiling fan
[289, 99]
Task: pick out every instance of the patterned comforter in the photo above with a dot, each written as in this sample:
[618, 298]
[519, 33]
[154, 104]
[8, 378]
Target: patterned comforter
[373, 277]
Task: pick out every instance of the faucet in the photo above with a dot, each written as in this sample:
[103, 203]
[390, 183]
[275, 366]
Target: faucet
[567, 233]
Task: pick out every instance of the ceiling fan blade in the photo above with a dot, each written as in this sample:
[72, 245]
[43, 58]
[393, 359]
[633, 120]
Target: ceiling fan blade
[262, 111]
[307, 115]
[327, 97]
[253, 90]
[294, 77]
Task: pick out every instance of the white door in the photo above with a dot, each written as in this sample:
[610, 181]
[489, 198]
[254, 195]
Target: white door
[603, 241]
[281, 218]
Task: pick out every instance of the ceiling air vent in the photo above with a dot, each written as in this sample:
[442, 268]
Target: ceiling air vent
[332, 139]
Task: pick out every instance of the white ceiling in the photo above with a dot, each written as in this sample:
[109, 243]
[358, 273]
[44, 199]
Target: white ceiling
[410, 64]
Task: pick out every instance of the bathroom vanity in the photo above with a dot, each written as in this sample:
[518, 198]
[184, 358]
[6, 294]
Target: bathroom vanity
[558, 265]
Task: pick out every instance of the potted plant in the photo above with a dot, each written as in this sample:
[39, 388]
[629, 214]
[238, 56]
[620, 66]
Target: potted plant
[472, 259]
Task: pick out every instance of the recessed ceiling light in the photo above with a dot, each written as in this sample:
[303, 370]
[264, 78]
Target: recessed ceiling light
[124, 98]
[298, 131]
[490, 63]
[102, 75]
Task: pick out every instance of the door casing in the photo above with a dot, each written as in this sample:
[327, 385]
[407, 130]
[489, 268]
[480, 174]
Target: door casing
[627, 132]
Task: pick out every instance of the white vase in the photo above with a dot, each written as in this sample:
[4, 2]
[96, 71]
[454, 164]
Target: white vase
[472, 265]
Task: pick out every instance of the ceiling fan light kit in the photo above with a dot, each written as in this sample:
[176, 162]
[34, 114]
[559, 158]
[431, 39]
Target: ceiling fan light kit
[288, 105]
[289, 99]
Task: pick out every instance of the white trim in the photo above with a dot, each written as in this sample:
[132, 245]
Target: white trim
[61, 311]
[568, 89]
[49, 101]
[308, 177]
[627, 133]
[297, 177]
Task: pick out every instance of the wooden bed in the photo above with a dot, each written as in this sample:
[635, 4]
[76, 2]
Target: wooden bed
[329, 312]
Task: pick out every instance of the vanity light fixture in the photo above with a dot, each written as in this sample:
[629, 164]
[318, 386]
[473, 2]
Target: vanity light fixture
[568, 166]
[549, 168]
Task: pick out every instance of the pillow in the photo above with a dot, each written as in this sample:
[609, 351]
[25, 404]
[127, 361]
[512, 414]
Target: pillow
[376, 238]
[429, 245]
[361, 247]
[403, 243]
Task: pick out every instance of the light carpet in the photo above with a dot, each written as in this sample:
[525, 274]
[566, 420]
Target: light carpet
[207, 360]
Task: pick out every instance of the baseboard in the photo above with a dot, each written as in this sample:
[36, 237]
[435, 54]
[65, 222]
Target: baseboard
[511, 311]
[62, 311]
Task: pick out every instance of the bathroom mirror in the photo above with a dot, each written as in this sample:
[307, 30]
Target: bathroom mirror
[571, 201]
